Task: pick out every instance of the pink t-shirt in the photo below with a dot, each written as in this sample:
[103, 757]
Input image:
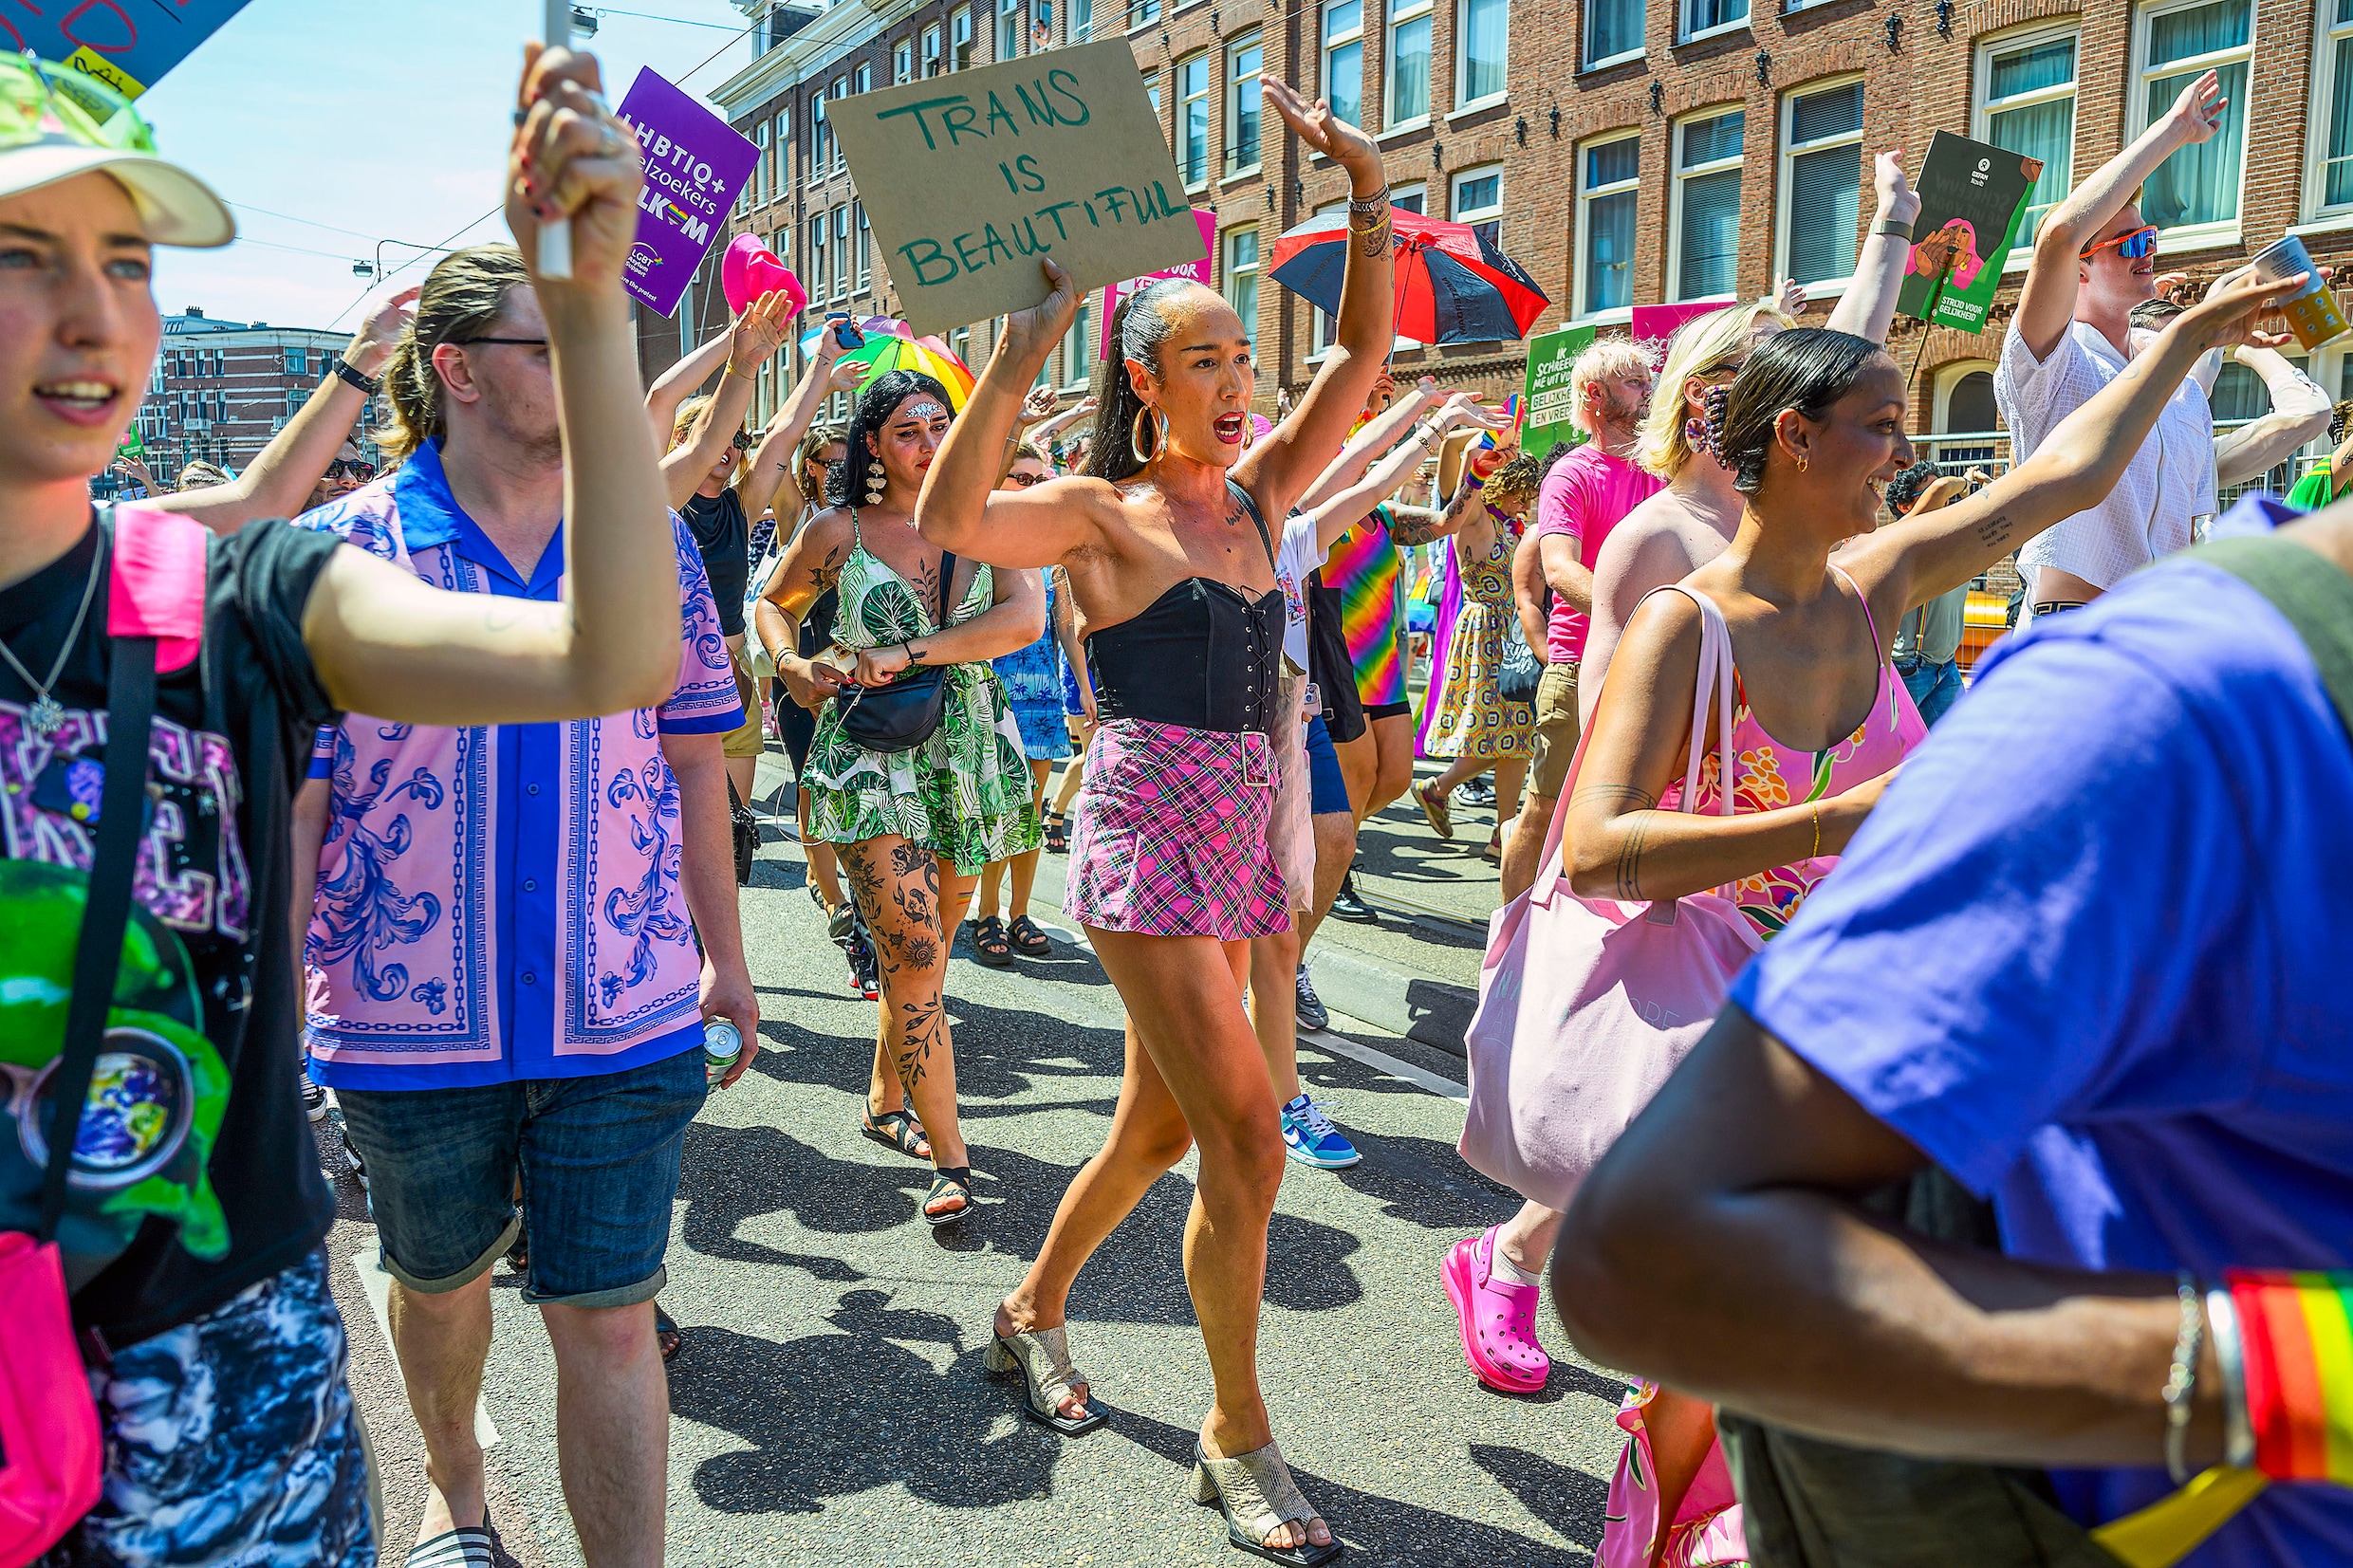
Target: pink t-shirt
[1584, 496]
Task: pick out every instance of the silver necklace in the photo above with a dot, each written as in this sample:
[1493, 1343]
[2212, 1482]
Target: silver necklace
[47, 715]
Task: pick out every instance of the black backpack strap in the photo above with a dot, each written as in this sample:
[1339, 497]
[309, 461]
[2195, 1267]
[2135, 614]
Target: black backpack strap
[2314, 594]
[1252, 507]
[98, 954]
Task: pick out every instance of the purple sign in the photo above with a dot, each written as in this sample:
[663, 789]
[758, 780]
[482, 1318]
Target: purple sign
[696, 163]
[1203, 273]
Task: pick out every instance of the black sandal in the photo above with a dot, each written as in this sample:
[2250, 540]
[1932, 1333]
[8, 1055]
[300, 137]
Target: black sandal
[666, 1335]
[946, 1181]
[899, 1130]
[989, 943]
[1028, 939]
[1057, 833]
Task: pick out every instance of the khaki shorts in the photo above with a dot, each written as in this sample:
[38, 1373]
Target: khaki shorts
[1556, 730]
[748, 742]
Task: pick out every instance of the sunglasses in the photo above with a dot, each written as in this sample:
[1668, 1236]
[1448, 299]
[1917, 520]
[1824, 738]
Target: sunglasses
[2133, 245]
[1023, 481]
[36, 103]
[741, 441]
[344, 468]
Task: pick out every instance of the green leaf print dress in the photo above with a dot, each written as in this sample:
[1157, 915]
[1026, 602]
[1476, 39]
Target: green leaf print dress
[965, 792]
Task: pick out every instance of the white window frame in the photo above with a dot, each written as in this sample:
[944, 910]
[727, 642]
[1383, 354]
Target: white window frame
[1078, 347]
[1228, 271]
[1319, 324]
[1418, 192]
[1401, 12]
[960, 38]
[1011, 14]
[841, 154]
[2191, 235]
[821, 136]
[1686, 33]
[779, 171]
[2327, 34]
[842, 252]
[1982, 109]
[1462, 62]
[932, 65]
[1142, 13]
[760, 164]
[864, 78]
[1479, 214]
[1238, 46]
[1677, 175]
[1326, 45]
[1586, 195]
[819, 241]
[1584, 43]
[902, 62]
[864, 245]
[1186, 99]
[1788, 152]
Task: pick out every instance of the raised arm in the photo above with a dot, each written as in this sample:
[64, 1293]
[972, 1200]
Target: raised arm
[1280, 467]
[2299, 414]
[386, 644]
[961, 508]
[681, 382]
[1350, 507]
[1869, 304]
[282, 476]
[1377, 436]
[1910, 562]
[754, 339]
[2047, 303]
[769, 477]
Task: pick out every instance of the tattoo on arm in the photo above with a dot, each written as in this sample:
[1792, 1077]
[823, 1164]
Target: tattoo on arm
[1630, 854]
[1994, 531]
[1630, 808]
[1618, 799]
[1427, 528]
[1373, 241]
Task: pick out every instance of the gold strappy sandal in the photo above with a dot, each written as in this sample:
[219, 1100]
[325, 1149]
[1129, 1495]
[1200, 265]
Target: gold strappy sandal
[1256, 1493]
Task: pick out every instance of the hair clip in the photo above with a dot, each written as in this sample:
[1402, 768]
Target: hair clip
[1718, 401]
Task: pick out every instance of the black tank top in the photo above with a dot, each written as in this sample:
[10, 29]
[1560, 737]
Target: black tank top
[1201, 656]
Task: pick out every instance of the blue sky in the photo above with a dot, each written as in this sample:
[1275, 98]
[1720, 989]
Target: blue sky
[387, 120]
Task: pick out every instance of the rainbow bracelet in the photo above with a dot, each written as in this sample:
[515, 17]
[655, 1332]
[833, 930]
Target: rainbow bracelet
[2295, 1346]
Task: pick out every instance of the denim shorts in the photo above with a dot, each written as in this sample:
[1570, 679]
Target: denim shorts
[599, 1158]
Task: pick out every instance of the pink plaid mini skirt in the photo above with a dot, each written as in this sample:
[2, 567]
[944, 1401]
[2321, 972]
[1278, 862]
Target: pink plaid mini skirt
[1168, 836]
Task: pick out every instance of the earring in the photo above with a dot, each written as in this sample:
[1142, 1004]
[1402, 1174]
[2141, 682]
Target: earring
[1801, 462]
[874, 482]
[1136, 433]
[1696, 433]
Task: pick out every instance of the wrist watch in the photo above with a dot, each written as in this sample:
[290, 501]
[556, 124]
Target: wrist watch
[367, 385]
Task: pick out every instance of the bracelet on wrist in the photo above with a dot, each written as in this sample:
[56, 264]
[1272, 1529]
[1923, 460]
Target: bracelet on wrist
[2239, 1439]
[1377, 202]
[2181, 1378]
[1895, 228]
[346, 371]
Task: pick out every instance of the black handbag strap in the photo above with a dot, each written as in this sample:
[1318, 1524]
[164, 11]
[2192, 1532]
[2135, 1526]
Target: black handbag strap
[98, 954]
[947, 575]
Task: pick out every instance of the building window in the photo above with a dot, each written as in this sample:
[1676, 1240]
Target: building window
[1009, 29]
[1478, 201]
[1480, 26]
[1410, 199]
[295, 398]
[1613, 29]
[1705, 16]
[2028, 107]
[297, 361]
[1605, 204]
[841, 154]
[1192, 119]
[1142, 11]
[902, 60]
[2333, 92]
[1344, 58]
[931, 51]
[1821, 182]
[820, 136]
[2199, 184]
[1706, 219]
[865, 249]
[1408, 61]
[758, 183]
[840, 253]
[814, 270]
[960, 38]
[1078, 347]
[865, 79]
[1320, 328]
[1242, 278]
[1152, 91]
[1246, 59]
[781, 170]
[1081, 20]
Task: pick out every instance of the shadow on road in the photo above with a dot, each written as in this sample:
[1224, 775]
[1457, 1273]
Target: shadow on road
[1567, 1499]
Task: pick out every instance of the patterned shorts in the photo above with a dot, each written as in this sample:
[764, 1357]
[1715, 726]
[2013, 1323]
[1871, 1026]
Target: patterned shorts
[233, 1439]
[1168, 836]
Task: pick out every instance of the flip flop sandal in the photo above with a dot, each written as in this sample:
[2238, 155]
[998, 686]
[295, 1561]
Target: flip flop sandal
[1028, 939]
[989, 943]
[469, 1547]
[948, 1180]
[1042, 1356]
[899, 1130]
[1057, 834]
[1256, 1493]
[665, 1330]
[1439, 810]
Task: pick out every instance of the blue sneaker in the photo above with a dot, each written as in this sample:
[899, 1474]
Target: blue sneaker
[1309, 1138]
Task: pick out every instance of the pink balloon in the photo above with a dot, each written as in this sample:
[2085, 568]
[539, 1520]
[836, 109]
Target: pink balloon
[750, 271]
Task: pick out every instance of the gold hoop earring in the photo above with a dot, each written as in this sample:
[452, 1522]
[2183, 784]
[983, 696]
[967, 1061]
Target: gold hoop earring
[1801, 462]
[1136, 433]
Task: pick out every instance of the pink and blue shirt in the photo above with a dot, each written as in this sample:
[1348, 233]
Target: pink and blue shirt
[500, 902]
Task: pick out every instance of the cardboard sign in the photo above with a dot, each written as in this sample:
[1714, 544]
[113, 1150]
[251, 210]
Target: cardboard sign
[126, 43]
[1203, 272]
[1657, 322]
[1973, 200]
[695, 164]
[969, 177]
[1547, 409]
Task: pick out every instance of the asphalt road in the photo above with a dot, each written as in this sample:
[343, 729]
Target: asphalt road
[829, 1404]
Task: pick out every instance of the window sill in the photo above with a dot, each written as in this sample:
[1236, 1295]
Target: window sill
[1618, 316]
[1703, 299]
[2200, 236]
[1830, 288]
[1404, 127]
[2325, 223]
[1247, 171]
[1723, 29]
[1480, 106]
[1627, 58]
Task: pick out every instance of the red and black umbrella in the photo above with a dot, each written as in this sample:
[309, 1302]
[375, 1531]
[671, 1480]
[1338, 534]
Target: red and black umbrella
[1453, 287]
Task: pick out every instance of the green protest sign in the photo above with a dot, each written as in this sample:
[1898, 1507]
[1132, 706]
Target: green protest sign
[967, 179]
[1548, 410]
[1974, 200]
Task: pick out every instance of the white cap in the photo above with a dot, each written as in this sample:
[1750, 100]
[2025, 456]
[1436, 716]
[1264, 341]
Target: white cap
[175, 207]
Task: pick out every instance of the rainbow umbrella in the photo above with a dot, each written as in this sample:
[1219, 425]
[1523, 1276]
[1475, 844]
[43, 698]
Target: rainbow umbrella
[925, 357]
[873, 326]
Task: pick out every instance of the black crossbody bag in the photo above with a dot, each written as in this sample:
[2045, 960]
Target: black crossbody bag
[901, 716]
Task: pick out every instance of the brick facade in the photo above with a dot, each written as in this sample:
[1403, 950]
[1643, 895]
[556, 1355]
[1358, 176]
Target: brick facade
[1918, 74]
[220, 390]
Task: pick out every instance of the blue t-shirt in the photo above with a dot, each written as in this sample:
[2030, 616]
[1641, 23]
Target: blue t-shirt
[2090, 955]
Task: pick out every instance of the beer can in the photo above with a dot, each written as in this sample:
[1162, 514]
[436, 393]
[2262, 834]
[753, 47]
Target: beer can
[2312, 310]
[722, 1043]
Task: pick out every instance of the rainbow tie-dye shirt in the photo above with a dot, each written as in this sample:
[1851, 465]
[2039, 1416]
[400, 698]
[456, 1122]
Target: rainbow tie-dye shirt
[1363, 568]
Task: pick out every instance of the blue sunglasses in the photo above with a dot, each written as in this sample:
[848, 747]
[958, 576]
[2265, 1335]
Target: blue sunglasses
[2133, 245]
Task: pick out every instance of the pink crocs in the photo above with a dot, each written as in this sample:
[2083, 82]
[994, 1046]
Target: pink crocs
[1498, 1320]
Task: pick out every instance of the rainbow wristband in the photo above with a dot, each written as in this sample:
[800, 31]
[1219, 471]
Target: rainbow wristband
[2295, 1341]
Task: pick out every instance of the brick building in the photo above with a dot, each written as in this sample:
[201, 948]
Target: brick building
[220, 390]
[1626, 152]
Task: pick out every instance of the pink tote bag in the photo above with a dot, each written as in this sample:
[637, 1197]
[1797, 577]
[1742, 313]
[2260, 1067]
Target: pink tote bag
[1587, 1005]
